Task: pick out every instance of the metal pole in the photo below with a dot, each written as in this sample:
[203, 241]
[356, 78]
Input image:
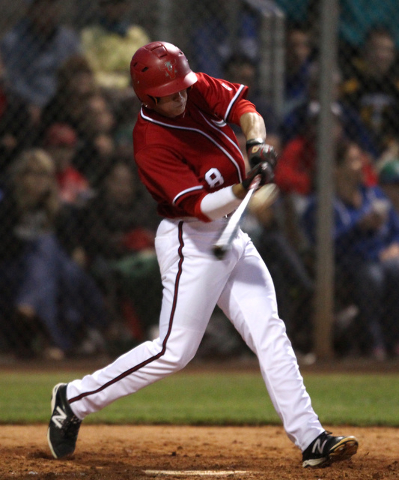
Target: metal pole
[265, 54]
[279, 63]
[164, 20]
[271, 51]
[324, 302]
[233, 19]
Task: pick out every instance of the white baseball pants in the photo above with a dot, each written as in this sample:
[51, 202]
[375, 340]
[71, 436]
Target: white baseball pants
[194, 282]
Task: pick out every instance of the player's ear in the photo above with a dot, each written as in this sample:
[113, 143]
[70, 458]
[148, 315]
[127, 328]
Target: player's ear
[155, 101]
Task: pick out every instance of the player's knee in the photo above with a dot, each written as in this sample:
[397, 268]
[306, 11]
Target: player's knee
[180, 357]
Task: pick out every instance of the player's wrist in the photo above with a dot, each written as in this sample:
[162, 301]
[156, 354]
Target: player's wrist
[254, 141]
[239, 191]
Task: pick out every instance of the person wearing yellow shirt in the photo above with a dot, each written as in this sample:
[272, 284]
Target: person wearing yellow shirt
[108, 44]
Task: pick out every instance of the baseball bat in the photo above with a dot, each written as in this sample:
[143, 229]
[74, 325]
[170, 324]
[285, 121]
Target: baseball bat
[223, 244]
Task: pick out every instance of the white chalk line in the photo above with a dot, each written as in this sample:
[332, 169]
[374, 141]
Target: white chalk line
[197, 473]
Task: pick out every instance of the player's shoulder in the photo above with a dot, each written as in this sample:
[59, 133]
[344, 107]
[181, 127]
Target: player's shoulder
[201, 86]
[149, 132]
[210, 90]
[205, 81]
[202, 78]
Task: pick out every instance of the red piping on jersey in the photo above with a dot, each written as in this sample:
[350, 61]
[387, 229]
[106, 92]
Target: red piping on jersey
[162, 352]
[157, 122]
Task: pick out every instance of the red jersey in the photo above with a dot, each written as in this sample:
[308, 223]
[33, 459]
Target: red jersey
[181, 160]
[295, 168]
[295, 171]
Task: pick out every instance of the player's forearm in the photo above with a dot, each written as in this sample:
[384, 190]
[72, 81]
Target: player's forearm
[218, 204]
[253, 126]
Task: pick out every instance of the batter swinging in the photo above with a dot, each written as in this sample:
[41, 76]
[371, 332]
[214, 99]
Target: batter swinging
[189, 160]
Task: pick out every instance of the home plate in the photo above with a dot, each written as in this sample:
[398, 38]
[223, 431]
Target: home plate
[196, 473]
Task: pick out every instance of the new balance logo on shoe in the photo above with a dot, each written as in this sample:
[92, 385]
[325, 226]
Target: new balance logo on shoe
[327, 448]
[59, 419]
[318, 447]
[64, 425]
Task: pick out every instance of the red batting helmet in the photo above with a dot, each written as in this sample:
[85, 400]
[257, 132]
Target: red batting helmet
[159, 69]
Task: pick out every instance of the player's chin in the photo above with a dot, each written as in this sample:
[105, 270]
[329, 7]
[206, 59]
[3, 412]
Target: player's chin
[179, 110]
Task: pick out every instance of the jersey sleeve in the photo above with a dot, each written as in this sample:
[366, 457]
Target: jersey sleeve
[224, 99]
[170, 180]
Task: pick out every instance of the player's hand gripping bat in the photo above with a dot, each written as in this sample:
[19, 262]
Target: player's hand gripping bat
[230, 230]
[263, 160]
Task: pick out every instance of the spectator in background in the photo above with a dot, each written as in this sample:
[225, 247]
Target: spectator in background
[119, 232]
[60, 141]
[356, 18]
[16, 128]
[372, 87]
[108, 45]
[295, 172]
[125, 118]
[45, 295]
[359, 16]
[97, 148]
[241, 69]
[211, 45]
[388, 179]
[366, 237]
[298, 56]
[34, 50]
[354, 128]
[75, 84]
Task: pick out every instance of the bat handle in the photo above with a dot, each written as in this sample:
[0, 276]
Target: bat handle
[254, 184]
[225, 240]
[219, 251]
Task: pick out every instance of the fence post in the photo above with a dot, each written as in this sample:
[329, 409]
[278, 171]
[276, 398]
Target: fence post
[271, 52]
[324, 301]
[164, 20]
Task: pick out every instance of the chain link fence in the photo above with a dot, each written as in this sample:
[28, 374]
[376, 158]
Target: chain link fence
[79, 275]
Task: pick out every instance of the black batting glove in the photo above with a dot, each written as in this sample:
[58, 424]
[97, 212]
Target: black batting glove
[265, 173]
[258, 152]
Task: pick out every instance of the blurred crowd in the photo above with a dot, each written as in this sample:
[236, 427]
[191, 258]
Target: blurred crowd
[78, 270]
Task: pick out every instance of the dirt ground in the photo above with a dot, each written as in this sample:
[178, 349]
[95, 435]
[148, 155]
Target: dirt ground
[178, 452]
[181, 452]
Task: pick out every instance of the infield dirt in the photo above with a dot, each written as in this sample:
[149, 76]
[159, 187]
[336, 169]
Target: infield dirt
[178, 452]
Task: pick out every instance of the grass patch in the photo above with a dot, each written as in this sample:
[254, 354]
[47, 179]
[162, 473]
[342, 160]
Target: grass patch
[211, 399]
[362, 400]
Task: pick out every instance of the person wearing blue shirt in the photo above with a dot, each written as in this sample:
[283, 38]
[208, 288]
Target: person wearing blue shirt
[34, 49]
[211, 40]
[366, 239]
[355, 129]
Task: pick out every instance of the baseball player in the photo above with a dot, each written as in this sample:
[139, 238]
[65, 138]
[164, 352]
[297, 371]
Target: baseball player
[189, 160]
